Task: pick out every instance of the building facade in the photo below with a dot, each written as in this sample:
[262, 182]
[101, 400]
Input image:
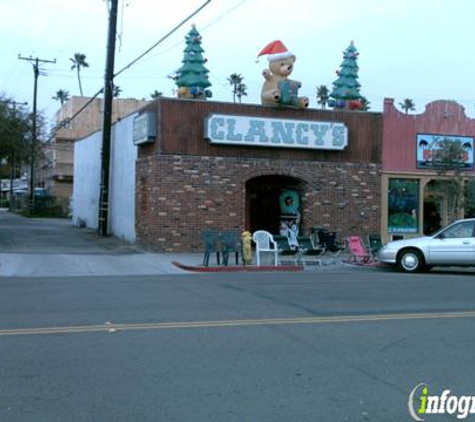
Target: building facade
[223, 166]
[55, 170]
[422, 184]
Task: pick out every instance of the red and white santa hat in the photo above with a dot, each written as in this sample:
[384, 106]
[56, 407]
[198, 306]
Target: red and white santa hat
[276, 50]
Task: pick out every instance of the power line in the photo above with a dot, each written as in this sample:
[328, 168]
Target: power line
[164, 37]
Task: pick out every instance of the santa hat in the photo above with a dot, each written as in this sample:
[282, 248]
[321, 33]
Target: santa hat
[276, 50]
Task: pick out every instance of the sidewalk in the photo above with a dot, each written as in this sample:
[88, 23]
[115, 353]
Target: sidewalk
[44, 247]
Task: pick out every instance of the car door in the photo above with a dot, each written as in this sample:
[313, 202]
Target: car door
[454, 246]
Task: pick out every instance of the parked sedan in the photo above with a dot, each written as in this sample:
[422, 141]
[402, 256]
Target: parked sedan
[453, 245]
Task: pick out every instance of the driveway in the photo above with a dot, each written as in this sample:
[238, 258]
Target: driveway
[54, 247]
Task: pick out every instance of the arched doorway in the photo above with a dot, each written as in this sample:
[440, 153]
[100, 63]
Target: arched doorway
[272, 201]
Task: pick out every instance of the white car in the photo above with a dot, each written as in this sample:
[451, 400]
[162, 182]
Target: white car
[453, 245]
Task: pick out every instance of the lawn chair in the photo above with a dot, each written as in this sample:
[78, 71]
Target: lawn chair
[286, 252]
[230, 243]
[265, 243]
[375, 244]
[308, 251]
[210, 238]
[358, 252]
[330, 245]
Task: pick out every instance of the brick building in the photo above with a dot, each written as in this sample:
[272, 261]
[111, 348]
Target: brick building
[189, 180]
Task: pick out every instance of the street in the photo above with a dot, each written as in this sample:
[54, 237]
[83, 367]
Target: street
[343, 344]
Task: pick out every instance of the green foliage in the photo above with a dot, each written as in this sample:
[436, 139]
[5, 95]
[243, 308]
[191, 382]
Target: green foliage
[15, 130]
[407, 105]
[79, 61]
[62, 96]
[323, 95]
[239, 88]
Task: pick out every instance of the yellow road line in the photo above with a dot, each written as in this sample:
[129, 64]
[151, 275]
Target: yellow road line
[110, 327]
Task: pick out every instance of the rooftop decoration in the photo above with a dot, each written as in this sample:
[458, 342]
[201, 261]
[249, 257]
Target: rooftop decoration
[192, 78]
[346, 88]
[278, 90]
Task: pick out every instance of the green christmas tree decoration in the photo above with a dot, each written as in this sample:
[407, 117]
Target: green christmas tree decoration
[192, 78]
[346, 88]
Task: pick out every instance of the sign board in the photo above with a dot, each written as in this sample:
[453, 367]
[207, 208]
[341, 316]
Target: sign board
[279, 133]
[145, 128]
[430, 152]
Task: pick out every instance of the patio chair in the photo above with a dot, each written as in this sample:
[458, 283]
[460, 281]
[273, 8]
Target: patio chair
[330, 245]
[286, 252]
[375, 244]
[358, 252]
[265, 244]
[210, 238]
[230, 243]
[308, 251]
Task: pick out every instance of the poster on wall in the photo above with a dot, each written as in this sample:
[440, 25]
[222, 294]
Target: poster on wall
[289, 205]
[403, 205]
[436, 151]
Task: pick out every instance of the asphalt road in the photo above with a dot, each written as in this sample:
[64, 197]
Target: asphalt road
[332, 346]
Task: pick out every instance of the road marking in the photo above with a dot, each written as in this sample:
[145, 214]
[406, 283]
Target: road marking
[111, 327]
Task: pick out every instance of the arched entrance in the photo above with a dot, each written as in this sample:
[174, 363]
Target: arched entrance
[272, 201]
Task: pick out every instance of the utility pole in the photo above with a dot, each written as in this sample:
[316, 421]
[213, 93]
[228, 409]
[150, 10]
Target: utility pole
[107, 120]
[36, 72]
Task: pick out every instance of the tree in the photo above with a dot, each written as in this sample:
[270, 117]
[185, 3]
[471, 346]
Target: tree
[79, 61]
[239, 88]
[192, 78]
[156, 94]
[323, 96]
[62, 96]
[346, 88]
[116, 91]
[241, 91]
[15, 127]
[407, 105]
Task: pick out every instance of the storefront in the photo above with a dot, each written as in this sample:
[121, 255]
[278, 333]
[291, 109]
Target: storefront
[427, 161]
[210, 165]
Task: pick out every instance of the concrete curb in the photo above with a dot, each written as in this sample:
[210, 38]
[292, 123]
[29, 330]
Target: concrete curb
[240, 268]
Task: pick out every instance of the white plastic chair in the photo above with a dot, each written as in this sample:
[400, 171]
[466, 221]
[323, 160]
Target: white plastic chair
[265, 243]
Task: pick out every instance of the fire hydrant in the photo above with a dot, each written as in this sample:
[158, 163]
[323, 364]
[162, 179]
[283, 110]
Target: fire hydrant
[246, 238]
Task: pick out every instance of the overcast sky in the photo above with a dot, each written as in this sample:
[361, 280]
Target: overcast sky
[419, 49]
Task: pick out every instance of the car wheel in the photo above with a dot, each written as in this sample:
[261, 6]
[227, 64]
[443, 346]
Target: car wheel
[411, 261]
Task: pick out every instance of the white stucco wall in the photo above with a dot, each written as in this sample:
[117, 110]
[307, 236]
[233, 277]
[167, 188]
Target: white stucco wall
[87, 165]
[87, 168]
[122, 181]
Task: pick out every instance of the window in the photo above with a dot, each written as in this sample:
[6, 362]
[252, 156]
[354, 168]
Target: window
[460, 230]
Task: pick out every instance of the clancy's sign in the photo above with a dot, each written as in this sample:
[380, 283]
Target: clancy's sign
[281, 133]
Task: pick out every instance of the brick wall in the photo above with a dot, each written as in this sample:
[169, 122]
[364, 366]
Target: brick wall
[178, 196]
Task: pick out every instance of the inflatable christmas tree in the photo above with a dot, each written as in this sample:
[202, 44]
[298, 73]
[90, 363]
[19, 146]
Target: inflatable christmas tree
[346, 88]
[192, 77]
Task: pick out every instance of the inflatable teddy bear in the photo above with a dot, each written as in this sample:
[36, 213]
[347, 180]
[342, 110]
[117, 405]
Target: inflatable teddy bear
[278, 90]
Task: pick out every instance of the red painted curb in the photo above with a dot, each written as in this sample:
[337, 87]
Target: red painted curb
[235, 269]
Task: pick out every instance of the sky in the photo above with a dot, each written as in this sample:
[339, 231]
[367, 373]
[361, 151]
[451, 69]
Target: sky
[418, 49]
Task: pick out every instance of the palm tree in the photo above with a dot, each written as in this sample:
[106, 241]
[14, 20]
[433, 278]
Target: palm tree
[241, 91]
[323, 95]
[235, 80]
[156, 94]
[407, 105]
[62, 96]
[116, 90]
[79, 61]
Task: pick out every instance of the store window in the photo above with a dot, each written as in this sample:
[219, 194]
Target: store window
[403, 205]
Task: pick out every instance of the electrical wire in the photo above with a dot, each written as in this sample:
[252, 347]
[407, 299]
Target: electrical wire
[163, 38]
